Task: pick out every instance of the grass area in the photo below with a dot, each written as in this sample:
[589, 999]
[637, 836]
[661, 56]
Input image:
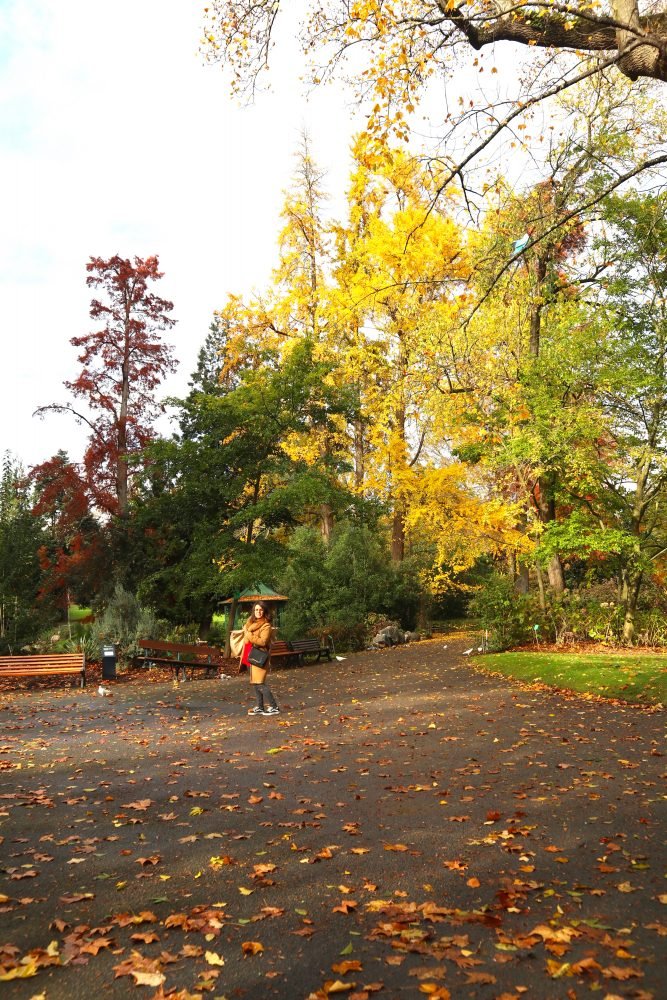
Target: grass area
[631, 677]
[76, 613]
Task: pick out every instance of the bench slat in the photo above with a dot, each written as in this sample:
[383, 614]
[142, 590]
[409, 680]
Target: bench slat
[37, 671]
[73, 659]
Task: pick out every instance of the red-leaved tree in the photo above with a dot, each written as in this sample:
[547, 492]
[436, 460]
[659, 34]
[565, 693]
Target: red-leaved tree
[122, 362]
[72, 557]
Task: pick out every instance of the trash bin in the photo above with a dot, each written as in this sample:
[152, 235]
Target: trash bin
[108, 663]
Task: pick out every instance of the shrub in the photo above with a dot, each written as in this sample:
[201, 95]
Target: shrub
[507, 616]
[586, 614]
[651, 627]
[346, 638]
[188, 634]
[333, 589]
[84, 643]
[123, 622]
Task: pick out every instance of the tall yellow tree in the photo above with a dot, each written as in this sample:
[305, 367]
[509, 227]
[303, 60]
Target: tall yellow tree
[400, 275]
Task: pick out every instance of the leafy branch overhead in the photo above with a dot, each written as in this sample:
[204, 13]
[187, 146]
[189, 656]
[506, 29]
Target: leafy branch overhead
[397, 56]
[421, 34]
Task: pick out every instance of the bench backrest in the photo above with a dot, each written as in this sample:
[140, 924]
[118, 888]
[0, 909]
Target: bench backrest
[305, 645]
[280, 648]
[157, 645]
[44, 661]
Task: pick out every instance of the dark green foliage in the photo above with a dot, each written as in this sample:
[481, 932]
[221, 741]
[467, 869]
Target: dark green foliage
[333, 589]
[220, 499]
[507, 617]
[21, 536]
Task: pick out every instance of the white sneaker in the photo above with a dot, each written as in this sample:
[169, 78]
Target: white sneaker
[271, 711]
[255, 711]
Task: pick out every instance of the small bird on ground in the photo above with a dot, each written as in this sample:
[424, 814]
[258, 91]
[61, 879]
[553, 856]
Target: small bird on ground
[103, 691]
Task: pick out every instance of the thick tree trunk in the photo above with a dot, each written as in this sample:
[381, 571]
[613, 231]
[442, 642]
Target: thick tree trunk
[546, 508]
[554, 31]
[122, 490]
[631, 589]
[326, 522]
[638, 59]
[545, 486]
[522, 579]
[121, 456]
[556, 575]
[540, 588]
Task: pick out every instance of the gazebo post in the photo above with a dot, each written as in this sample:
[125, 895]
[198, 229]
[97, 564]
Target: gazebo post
[230, 624]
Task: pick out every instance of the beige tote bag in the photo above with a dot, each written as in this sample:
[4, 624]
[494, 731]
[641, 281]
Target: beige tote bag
[236, 642]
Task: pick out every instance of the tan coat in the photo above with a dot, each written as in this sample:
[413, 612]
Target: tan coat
[258, 631]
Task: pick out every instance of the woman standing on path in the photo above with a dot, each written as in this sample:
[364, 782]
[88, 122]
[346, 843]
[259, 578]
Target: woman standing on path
[257, 632]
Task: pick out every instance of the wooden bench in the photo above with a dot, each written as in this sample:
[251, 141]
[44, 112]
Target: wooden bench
[294, 652]
[179, 656]
[282, 651]
[44, 665]
[311, 647]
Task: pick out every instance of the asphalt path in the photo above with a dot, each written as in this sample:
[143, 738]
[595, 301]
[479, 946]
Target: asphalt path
[407, 827]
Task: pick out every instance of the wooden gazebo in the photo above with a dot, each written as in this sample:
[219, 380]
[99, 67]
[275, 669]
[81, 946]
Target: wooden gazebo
[257, 592]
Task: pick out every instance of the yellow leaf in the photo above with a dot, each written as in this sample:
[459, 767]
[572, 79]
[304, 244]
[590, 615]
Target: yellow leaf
[213, 959]
[23, 971]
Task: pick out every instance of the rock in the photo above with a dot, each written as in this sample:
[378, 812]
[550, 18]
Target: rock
[389, 636]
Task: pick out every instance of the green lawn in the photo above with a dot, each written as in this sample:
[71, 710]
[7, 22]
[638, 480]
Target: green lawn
[629, 676]
[76, 613]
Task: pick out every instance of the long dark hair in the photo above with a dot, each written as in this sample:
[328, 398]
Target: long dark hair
[266, 609]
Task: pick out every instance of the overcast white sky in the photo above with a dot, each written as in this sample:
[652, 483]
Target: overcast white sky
[115, 138]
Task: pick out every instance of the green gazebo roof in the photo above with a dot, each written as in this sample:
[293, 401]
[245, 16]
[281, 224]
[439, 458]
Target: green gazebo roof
[258, 592]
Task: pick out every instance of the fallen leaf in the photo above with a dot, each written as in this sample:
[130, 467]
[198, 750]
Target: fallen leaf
[342, 968]
[214, 959]
[147, 937]
[148, 978]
